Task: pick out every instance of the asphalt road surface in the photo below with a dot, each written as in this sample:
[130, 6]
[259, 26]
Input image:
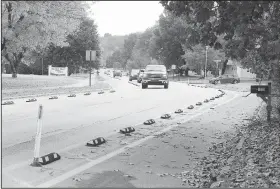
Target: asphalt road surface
[68, 123]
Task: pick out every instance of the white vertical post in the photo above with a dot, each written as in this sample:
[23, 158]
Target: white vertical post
[38, 138]
[50, 67]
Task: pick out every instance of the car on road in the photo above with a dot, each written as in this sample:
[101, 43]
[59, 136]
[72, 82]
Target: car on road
[140, 75]
[225, 79]
[155, 75]
[133, 75]
[117, 73]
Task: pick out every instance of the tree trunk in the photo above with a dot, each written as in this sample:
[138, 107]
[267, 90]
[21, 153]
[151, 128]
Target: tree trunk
[224, 66]
[275, 89]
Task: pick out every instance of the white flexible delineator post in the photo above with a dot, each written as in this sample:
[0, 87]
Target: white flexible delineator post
[35, 162]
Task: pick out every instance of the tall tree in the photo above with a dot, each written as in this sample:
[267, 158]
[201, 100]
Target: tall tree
[29, 25]
[250, 29]
[166, 43]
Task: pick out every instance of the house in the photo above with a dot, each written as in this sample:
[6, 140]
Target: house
[235, 68]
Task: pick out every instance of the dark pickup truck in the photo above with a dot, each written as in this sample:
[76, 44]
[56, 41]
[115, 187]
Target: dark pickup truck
[155, 75]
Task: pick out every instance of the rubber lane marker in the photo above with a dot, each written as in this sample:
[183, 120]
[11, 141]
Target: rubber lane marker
[84, 167]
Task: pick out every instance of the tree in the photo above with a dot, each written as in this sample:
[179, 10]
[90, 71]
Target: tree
[196, 58]
[32, 25]
[73, 56]
[128, 46]
[166, 43]
[250, 30]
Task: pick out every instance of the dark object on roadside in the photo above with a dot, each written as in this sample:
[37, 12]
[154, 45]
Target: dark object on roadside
[217, 96]
[155, 75]
[213, 98]
[127, 130]
[96, 142]
[72, 95]
[225, 79]
[53, 97]
[149, 122]
[198, 104]
[49, 158]
[165, 116]
[100, 92]
[112, 91]
[8, 103]
[191, 107]
[179, 111]
[206, 100]
[87, 94]
[31, 100]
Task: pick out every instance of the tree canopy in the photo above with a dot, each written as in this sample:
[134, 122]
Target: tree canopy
[32, 25]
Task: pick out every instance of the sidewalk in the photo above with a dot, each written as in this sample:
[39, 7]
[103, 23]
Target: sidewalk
[169, 159]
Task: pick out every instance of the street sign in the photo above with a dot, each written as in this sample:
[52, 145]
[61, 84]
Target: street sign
[260, 89]
[90, 55]
[173, 67]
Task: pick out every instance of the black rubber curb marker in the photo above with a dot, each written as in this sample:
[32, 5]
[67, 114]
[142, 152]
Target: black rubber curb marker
[213, 98]
[53, 97]
[112, 91]
[198, 104]
[206, 101]
[49, 158]
[87, 93]
[179, 111]
[165, 116]
[8, 103]
[127, 130]
[72, 95]
[149, 122]
[217, 96]
[31, 100]
[100, 92]
[191, 107]
[96, 142]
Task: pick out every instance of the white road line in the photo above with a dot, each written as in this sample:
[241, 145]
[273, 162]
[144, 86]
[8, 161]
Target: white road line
[84, 167]
[17, 181]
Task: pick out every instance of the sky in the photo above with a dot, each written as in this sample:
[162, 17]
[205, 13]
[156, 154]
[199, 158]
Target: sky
[125, 17]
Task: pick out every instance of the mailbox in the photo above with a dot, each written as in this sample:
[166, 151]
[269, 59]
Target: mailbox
[260, 89]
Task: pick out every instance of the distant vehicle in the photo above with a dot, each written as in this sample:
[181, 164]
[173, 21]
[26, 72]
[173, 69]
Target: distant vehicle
[155, 75]
[133, 74]
[117, 73]
[225, 79]
[140, 75]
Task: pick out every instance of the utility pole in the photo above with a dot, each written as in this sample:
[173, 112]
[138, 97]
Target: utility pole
[42, 65]
[205, 69]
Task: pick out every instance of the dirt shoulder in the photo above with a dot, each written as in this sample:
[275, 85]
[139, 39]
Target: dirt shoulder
[169, 159]
[35, 86]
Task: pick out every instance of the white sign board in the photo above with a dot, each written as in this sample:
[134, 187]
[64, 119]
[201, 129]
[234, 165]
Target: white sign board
[90, 55]
[173, 67]
[58, 71]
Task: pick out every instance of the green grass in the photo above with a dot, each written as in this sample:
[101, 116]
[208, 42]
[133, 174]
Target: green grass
[35, 81]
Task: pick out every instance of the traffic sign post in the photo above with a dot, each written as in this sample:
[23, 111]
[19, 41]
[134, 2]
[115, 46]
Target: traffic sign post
[90, 56]
[173, 67]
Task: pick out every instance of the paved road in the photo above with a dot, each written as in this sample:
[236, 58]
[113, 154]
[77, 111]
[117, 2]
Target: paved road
[70, 122]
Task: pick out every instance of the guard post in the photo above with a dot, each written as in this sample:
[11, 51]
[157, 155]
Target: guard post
[35, 162]
[264, 92]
